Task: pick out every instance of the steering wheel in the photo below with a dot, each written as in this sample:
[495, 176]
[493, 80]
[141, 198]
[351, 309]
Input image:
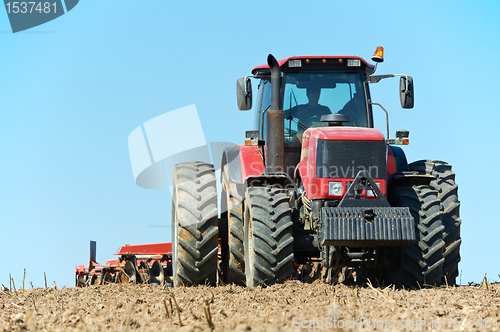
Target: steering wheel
[310, 120]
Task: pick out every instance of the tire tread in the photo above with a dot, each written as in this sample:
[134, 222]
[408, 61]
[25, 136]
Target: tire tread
[195, 201]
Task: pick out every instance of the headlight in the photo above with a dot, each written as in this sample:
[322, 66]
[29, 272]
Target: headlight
[335, 188]
[370, 193]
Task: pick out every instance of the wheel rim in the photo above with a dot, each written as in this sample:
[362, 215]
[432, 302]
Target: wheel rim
[175, 240]
[225, 245]
[248, 245]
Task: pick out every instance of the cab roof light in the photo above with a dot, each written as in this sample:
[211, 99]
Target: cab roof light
[353, 63]
[295, 63]
[378, 56]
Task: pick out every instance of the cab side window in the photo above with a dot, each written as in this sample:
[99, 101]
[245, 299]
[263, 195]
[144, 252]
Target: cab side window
[264, 106]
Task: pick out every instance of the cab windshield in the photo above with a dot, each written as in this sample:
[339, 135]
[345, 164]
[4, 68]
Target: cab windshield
[309, 95]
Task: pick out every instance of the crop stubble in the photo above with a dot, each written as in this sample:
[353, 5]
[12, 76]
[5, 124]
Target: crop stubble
[233, 308]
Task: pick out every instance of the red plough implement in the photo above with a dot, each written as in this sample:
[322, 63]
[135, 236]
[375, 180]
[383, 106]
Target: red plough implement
[145, 263]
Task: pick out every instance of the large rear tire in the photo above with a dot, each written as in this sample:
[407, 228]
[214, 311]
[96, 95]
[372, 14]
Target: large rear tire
[448, 195]
[233, 255]
[422, 262]
[194, 225]
[268, 236]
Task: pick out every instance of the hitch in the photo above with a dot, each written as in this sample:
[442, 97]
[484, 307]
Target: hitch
[363, 181]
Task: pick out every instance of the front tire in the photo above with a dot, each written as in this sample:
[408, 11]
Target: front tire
[447, 189]
[233, 256]
[268, 236]
[194, 225]
[422, 262]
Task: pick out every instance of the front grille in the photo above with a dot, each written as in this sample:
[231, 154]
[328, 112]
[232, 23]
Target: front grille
[344, 159]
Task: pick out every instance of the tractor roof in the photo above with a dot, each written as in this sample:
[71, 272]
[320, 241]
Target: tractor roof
[317, 63]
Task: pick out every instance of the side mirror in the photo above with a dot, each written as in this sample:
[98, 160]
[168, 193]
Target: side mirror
[244, 93]
[406, 91]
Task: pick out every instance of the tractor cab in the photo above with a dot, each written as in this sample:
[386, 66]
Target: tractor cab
[313, 87]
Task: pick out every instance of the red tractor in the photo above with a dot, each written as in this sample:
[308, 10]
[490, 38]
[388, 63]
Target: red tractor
[316, 182]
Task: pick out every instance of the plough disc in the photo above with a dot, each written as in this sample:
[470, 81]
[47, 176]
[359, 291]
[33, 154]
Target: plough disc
[149, 263]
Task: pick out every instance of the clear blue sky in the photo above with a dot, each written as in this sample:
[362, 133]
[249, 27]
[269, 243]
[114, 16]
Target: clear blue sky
[73, 89]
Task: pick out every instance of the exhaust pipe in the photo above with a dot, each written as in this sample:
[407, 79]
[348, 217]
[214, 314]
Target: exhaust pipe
[275, 134]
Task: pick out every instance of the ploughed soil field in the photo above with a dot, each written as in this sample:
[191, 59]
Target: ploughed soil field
[291, 306]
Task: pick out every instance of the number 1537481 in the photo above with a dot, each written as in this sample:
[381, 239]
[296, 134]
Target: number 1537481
[30, 7]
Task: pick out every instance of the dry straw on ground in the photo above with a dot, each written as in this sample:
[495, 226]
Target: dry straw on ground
[283, 307]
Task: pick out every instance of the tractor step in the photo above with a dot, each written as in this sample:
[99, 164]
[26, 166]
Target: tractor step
[366, 226]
